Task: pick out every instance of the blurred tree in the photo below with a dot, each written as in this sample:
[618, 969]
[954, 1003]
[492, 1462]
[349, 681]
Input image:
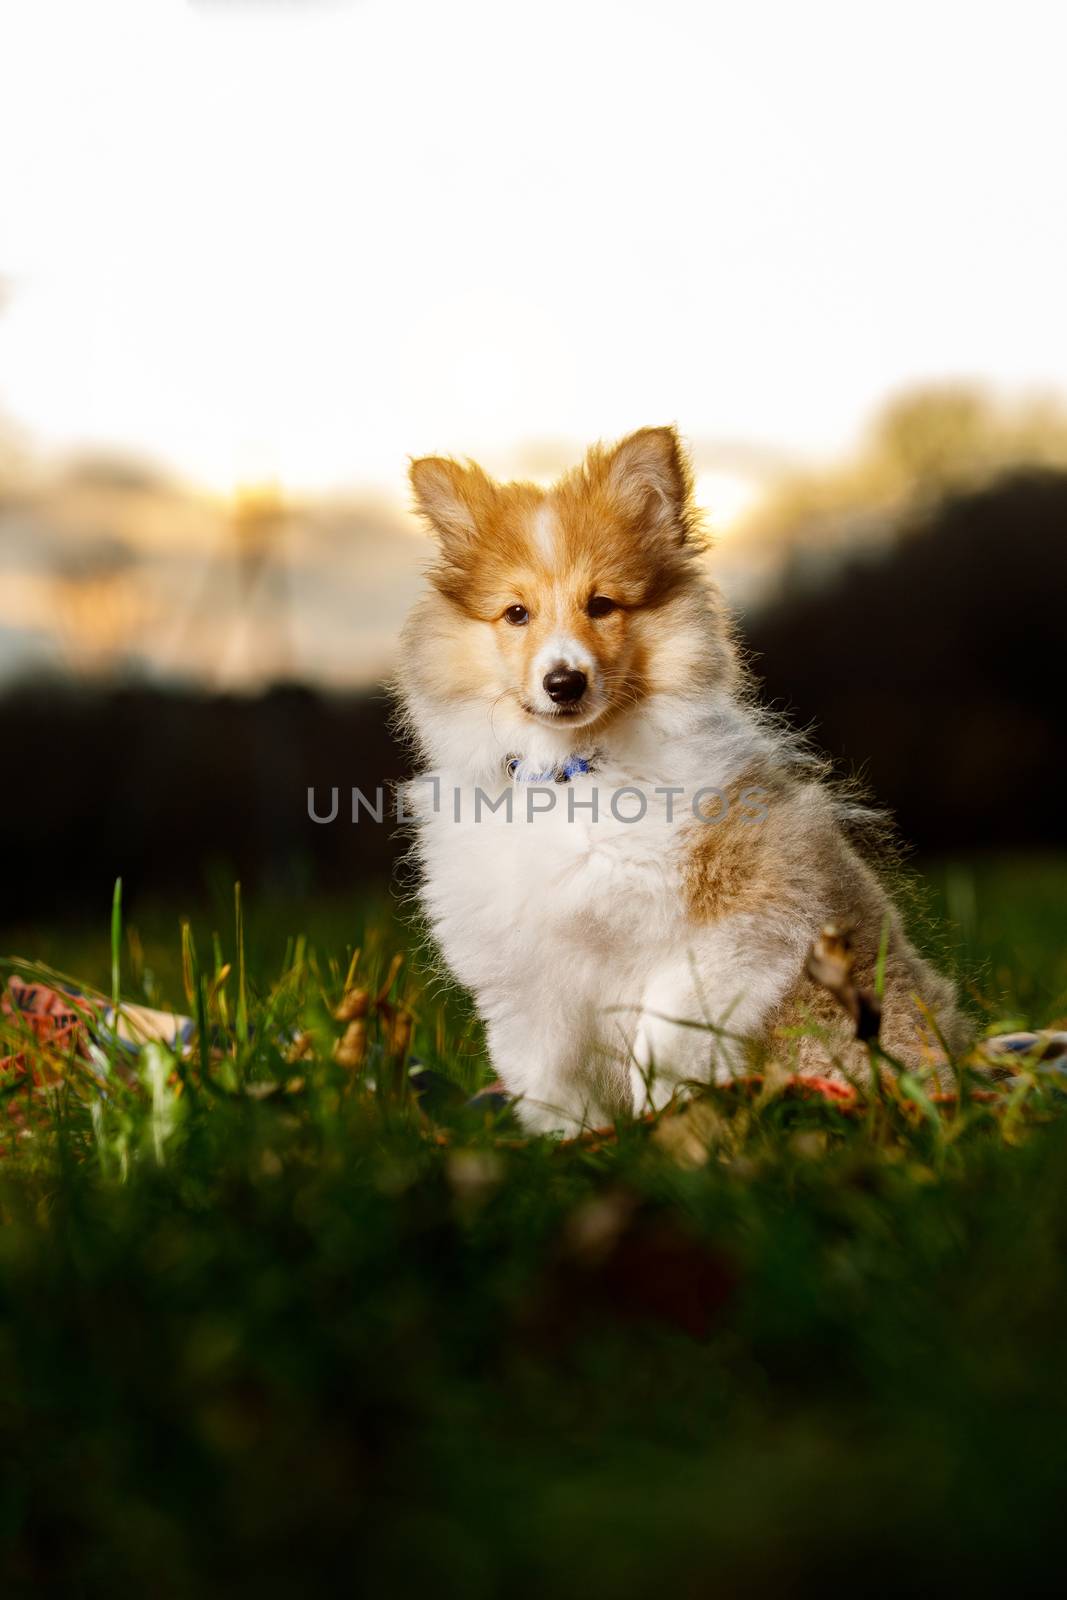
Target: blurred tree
[931, 437]
[99, 606]
[955, 436]
[926, 443]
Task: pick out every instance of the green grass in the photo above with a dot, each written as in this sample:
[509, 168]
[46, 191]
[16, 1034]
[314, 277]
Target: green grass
[1003, 926]
[265, 1330]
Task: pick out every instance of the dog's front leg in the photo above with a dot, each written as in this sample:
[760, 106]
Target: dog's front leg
[703, 1006]
[561, 1079]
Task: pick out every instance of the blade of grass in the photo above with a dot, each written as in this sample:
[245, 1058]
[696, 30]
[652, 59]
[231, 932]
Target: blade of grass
[883, 951]
[116, 973]
[241, 1019]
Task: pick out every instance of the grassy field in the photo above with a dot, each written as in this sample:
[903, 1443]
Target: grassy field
[266, 1329]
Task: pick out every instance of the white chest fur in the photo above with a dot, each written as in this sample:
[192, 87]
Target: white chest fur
[560, 906]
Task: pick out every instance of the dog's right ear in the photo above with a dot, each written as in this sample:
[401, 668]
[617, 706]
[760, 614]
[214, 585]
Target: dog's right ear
[452, 498]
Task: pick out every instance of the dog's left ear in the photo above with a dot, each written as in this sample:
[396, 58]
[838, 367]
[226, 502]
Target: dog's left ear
[648, 475]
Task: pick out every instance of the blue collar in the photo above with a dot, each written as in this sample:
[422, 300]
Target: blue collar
[573, 767]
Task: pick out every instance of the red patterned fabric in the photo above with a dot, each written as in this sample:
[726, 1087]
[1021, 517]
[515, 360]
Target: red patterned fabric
[54, 1018]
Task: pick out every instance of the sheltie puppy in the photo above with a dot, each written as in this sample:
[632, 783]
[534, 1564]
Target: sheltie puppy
[622, 857]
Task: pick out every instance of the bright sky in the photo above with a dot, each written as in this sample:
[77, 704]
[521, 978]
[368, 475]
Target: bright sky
[306, 240]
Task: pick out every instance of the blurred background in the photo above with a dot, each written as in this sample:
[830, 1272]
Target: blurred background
[254, 255]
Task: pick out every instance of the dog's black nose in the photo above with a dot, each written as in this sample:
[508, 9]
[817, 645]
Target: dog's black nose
[564, 685]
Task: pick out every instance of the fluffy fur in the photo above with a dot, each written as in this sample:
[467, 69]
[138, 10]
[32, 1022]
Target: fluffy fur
[616, 961]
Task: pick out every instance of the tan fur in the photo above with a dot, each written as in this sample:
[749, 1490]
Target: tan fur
[796, 863]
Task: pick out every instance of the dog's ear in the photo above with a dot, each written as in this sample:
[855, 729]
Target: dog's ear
[648, 476]
[452, 498]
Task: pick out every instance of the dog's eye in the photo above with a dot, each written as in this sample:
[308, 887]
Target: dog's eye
[517, 616]
[601, 606]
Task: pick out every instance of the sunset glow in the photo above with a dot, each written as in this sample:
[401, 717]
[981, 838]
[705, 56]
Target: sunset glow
[267, 242]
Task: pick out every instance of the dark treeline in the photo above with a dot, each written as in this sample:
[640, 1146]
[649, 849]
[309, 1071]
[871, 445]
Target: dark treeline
[935, 668]
[174, 791]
